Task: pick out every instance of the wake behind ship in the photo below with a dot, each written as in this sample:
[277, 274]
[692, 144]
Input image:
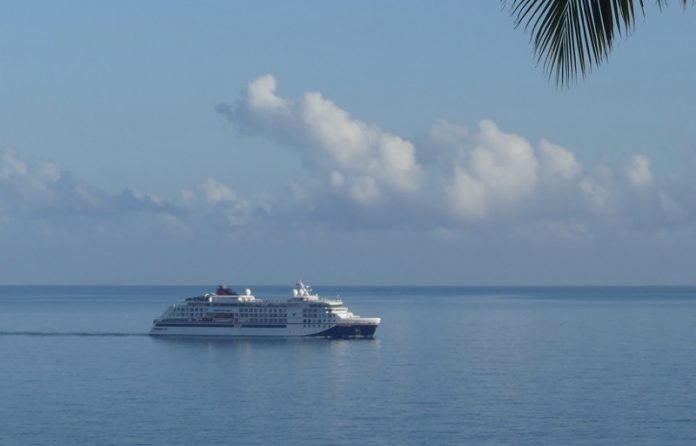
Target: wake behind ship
[226, 313]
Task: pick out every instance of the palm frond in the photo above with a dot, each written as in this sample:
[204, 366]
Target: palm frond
[570, 37]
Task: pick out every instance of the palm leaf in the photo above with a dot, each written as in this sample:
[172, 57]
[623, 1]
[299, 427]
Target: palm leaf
[570, 37]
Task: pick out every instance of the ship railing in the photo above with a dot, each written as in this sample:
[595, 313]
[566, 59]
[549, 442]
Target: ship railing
[334, 301]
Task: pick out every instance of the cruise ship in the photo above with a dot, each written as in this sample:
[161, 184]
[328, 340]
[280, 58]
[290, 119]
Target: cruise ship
[227, 313]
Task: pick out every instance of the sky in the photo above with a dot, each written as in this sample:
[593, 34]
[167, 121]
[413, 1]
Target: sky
[350, 143]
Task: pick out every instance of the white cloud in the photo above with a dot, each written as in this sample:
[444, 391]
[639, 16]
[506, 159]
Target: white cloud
[216, 192]
[261, 95]
[130, 200]
[43, 191]
[42, 196]
[638, 171]
[673, 209]
[467, 196]
[356, 159]
[485, 174]
[356, 172]
[223, 200]
[499, 172]
[600, 190]
[187, 195]
[42, 188]
[466, 191]
[558, 161]
[11, 166]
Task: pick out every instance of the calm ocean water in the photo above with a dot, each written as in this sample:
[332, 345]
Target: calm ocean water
[455, 366]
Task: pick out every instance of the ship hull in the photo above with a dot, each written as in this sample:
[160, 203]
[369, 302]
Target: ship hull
[336, 331]
[349, 331]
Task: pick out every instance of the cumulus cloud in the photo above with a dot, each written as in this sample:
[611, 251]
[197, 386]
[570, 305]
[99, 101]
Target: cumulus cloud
[236, 209]
[43, 188]
[46, 196]
[674, 211]
[11, 166]
[638, 171]
[216, 192]
[357, 175]
[41, 199]
[354, 158]
[453, 191]
[558, 161]
[130, 200]
[600, 191]
[497, 173]
[454, 176]
[488, 173]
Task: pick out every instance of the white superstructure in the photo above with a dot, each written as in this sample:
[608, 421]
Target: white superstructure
[226, 313]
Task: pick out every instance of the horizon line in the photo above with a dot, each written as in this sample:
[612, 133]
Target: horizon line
[361, 285]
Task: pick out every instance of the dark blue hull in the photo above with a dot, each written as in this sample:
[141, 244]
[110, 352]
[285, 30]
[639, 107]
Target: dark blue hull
[348, 331]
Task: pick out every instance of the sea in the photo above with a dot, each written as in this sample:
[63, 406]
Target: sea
[448, 366]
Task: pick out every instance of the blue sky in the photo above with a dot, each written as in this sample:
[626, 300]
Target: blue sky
[339, 142]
